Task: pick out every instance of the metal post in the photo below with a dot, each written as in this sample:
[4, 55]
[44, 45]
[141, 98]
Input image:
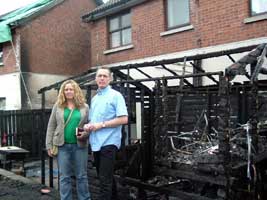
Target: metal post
[42, 149]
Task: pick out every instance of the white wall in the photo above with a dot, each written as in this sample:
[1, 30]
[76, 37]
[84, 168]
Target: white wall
[35, 82]
[220, 64]
[10, 89]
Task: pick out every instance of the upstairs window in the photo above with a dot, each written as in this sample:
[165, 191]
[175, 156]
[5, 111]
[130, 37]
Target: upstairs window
[258, 7]
[1, 55]
[177, 13]
[120, 31]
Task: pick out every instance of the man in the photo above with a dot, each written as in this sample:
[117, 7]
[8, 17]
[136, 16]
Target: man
[107, 114]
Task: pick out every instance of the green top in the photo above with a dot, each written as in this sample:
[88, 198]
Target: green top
[70, 129]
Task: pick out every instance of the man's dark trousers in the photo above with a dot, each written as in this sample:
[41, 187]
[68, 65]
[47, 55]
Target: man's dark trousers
[104, 162]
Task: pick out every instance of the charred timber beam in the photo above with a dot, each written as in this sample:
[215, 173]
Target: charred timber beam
[214, 88]
[260, 62]
[171, 77]
[179, 97]
[199, 56]
[224, 130]
[142, 72]
[203, 71]
[231, 58]
[136, 83]
[238, 68]
[175, 74]
[172, 72]
[78, 78]
[263, 71]
[191, 175]
[43, 152]
[254, 119]
[165, 117]
[158, 121]
[129, 101]
[181, 195]
[90, 74]
[133, 159]
[256, 159]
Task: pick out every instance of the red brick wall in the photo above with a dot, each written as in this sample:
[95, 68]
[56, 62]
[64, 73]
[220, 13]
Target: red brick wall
[57, 42]
[215, 23]
[9, 59]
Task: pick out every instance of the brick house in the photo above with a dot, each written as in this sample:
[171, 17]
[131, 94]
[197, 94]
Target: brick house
[137, 31]
[46, 46]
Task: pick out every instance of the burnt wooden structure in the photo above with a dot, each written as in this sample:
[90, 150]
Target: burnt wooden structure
[196, 141]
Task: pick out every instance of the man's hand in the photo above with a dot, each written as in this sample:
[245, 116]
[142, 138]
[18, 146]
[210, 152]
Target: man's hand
[92, 127]
[88, 127]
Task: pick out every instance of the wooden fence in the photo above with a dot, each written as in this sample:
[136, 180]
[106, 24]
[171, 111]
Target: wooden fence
[25, 129]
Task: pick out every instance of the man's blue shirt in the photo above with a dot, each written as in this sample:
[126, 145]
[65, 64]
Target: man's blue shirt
[107, 104]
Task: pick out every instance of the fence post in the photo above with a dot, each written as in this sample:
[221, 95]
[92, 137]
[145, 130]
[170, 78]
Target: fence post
[43, 151]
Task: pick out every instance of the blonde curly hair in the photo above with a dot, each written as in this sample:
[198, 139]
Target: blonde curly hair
[79, 99]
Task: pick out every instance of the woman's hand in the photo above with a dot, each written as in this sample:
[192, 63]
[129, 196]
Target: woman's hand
[82, 135]
[49, 153]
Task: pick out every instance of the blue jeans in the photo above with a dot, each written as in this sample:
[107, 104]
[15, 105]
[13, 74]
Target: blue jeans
[73, 160]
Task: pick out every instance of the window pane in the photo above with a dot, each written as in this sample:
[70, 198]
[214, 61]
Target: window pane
[1, 54]
[1, 57]
[115, 39]
[126, 36]
[258, 6]
[178, 12]
[114, 24]
[126, 20]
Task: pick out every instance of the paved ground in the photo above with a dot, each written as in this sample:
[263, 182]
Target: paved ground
[15, 187]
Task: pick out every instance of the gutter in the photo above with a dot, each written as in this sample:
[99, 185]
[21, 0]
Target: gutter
[109, 10]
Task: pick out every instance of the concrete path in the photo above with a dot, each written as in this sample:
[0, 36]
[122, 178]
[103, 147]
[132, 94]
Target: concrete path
[15, 187]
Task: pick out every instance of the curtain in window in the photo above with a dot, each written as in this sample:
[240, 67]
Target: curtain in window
[178, 12]
[258, 6]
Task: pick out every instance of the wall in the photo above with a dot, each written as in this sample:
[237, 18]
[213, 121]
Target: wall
[54, 46]
[34, 82]
[57, 42]
[10, 89]
[211, 27]
[10, 75]
[9, 56]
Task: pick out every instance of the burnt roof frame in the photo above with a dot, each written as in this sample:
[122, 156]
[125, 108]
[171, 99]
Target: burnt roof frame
[86, 77]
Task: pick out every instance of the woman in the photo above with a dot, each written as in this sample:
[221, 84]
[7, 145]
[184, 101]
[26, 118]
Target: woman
[69, 113]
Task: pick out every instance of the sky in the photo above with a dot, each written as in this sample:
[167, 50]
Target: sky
[9, 5]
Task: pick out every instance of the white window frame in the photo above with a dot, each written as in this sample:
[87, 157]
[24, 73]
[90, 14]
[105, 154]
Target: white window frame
[172, 11]
[120, 30]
